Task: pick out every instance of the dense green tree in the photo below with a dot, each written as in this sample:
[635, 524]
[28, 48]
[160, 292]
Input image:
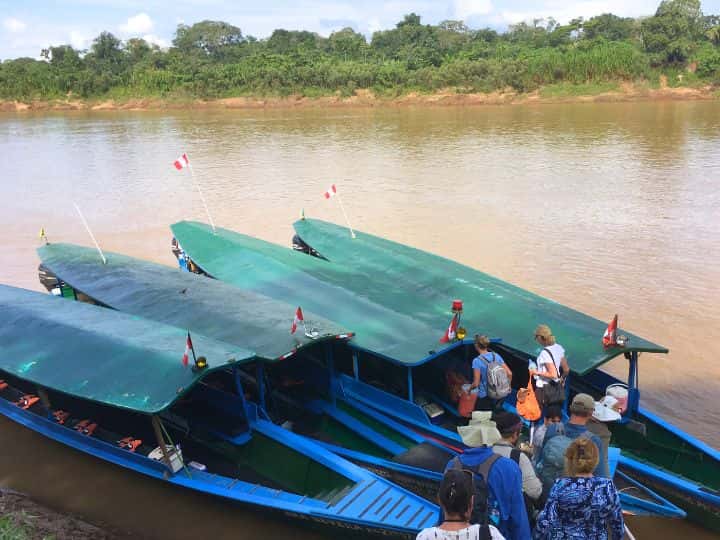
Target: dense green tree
[672, 33]
[610, 27]
[213, 38]
[347, 44]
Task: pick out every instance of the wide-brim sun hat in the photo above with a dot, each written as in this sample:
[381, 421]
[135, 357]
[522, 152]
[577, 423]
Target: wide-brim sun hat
[480, 431]
[605, 410]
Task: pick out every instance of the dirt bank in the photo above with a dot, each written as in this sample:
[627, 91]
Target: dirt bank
[366, 98]
[32, 520]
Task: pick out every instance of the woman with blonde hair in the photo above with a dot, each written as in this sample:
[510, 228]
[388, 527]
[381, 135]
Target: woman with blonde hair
[548, 371]
[581, 505]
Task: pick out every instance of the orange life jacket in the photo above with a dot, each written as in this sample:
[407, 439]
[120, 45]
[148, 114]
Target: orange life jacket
[129, 443]
[27, 401]
[3, 385]
[61, 416]
[86, 427]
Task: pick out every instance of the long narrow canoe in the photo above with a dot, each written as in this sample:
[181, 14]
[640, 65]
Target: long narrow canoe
[122, 368]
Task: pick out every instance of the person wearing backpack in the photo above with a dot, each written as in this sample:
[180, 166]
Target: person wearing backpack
[497, 480]
[559, 436]
[456, 497]
[491, 376]
[510, 425]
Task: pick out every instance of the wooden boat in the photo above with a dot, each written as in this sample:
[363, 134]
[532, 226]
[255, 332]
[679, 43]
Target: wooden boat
[310, 405]
[393, 365]
[113, 385]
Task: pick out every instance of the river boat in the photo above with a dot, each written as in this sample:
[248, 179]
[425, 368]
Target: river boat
[399, 370]
[113, 385]
[297, 393]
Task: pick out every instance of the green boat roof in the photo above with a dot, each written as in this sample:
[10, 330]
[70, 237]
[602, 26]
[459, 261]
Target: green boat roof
[425, 284]
[401, 283]
[291, 276]
[102, 355]
[186, 300]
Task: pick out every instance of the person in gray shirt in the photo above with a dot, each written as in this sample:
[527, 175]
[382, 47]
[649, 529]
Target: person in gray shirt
[510, 425]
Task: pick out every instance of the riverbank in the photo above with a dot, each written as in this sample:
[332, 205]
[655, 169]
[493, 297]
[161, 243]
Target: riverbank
[21, 518]
[560, 93]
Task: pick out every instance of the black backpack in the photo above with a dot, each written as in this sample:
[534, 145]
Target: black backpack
[482, 492]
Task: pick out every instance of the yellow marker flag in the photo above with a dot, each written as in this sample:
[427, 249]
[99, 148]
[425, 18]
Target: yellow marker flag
[42, 233]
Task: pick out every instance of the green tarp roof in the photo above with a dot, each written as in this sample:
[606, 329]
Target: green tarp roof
[186, 300]
[291, 276]
[403, 283]
[98, 354]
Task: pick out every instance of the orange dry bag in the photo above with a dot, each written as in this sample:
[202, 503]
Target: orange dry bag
[466, 403]
[527, 404]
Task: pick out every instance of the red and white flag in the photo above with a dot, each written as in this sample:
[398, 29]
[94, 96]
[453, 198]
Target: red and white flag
[298, 318]
[610, 335]
[181, 162]
[188, 349]
[449, 334]
[331, 192]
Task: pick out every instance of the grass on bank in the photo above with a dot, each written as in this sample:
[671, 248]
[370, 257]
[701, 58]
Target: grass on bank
[565, 90]
[10, 529]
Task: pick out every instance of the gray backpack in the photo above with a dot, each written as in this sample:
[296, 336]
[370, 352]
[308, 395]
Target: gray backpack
[498, 383]
[552, 461]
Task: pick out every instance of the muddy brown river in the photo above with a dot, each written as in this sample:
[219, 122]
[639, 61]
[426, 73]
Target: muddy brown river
[607, 208]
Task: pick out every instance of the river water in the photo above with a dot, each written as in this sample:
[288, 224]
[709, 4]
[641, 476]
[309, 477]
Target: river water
[608, 208]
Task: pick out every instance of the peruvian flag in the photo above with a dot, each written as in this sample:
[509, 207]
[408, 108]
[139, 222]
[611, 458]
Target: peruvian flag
[449, 334]
[188, 349]
[296, 320]
[610, 335]
[181, 162]
[331, 192]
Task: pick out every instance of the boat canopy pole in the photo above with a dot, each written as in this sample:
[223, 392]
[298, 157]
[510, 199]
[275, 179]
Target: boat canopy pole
[161, 440]
[410, 386]
[633, 391]
[356, 371]
[240, 391]
[44, 398]
[260, 376]
[331, 370]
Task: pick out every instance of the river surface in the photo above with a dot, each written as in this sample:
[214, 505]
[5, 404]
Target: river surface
[607, 208]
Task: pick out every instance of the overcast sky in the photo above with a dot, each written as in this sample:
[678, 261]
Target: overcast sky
[30, 25]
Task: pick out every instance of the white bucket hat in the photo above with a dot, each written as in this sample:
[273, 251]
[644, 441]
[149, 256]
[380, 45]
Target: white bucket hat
[605, 410]
[480, 431]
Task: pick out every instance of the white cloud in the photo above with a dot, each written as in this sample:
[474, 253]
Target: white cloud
[11, 24]
[139, 24]
[79, 40]
[156, 40]
[564, 11]
[466, 8]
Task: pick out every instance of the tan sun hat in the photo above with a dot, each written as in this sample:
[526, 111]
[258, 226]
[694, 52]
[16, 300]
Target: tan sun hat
[480, 431]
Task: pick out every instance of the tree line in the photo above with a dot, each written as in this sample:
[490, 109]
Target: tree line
[213, 59]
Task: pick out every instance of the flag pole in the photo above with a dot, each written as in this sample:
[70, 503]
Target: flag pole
[192, 348]
[87, 227]
[342, 207]
[202, 198]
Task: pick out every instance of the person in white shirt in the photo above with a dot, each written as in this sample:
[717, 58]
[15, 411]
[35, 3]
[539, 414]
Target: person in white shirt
[551, 364]
[455, 496]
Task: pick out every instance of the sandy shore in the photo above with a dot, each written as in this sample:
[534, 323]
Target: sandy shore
[365, 98]
[40, 522]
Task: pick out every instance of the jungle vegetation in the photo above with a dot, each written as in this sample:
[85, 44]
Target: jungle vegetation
[212, 59]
